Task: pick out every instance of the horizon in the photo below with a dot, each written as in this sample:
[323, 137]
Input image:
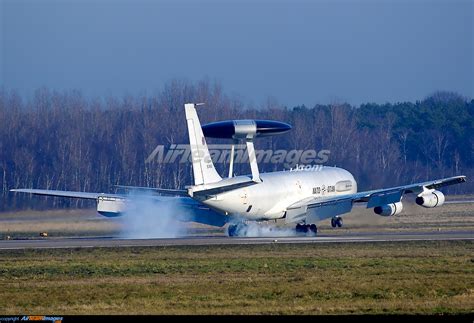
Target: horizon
[102, 99]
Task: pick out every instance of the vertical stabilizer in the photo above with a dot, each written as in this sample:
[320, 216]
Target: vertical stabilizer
[203, 168]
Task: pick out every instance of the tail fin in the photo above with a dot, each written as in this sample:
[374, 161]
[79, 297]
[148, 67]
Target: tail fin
[203, 168]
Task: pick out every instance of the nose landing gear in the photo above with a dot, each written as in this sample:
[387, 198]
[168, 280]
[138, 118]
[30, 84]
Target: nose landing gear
[336, 222]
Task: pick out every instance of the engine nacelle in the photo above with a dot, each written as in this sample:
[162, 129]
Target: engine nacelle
[110, 206]
[389, 209]
[433, 199]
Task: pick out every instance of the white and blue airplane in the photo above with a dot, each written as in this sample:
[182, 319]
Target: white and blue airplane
[300, 197]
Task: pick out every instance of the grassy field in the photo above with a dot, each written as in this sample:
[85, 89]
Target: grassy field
[339, 278]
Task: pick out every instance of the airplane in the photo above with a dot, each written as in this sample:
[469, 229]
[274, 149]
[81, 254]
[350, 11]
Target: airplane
[302, 198]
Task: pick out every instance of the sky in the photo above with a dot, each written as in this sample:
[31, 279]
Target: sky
[297, 52]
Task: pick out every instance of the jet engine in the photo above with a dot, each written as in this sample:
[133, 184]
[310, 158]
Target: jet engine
[433, 199]
[110, 206]
[389, 209]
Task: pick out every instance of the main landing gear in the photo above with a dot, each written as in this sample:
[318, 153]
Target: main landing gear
[336, 222]
[239, 229]
[309, 229]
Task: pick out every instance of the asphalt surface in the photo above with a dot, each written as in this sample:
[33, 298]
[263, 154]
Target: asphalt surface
[49, 243]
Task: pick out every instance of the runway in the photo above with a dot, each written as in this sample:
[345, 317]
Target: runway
[52, 243]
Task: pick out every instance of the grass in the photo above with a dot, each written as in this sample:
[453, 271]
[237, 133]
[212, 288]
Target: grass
[344, 278]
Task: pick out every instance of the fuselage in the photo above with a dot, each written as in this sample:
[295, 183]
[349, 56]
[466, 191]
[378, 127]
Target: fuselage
[278, 190]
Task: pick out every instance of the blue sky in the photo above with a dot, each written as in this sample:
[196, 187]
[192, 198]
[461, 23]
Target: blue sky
[299, 52]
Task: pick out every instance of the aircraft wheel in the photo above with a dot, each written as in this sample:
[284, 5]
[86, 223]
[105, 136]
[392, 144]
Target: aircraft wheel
[336, 222]
[301, 228]
[313, 228]
[232, 230]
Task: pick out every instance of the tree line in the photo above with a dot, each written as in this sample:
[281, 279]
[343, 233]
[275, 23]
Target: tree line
[66, 141]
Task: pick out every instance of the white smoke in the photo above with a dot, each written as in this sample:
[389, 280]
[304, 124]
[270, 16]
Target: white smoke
[147, 217]
[255, 229]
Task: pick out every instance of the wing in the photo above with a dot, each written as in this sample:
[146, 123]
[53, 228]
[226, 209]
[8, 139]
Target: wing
[166, 191]
[112, 205]
[194, 211]
[95, 196]
[81, 195]
[315, 209]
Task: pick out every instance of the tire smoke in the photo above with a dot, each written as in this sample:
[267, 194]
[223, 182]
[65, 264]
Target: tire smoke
[254, 230]
[149, 216]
